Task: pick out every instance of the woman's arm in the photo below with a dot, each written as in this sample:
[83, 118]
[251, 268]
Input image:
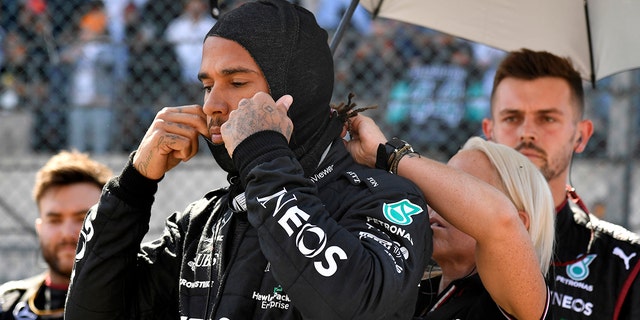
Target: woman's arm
[505, 257]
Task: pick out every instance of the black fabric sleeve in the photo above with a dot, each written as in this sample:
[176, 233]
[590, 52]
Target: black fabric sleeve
[258, 148]
[113, 278]
[132, 187]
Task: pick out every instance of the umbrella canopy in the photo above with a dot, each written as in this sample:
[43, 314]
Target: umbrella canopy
[599, 36]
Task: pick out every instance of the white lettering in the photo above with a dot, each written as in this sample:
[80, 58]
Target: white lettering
[332, 265]
[575, 284]
[194, 284]
[292, 214]
[274, 300]
[274, 304]
[373, 181]
[392, 228]
[354, 176]
[322, 173]
[571, 303]
[259, 297]
[293, 218]
[322, 240]
[279, 203]
[86, 234]
[566, 302]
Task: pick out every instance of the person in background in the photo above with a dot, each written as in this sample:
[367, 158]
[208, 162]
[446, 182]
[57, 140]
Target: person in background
[65, 188]
[91, 90]
[537, 107]
[185, 33]
[491, 213]
[301, 232]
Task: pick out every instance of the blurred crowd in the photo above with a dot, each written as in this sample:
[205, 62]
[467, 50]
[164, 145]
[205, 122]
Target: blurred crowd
[430, 87]
[91, 75]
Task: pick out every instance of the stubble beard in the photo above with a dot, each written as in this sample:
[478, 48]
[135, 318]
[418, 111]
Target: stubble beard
[55, 262]
[557, 167]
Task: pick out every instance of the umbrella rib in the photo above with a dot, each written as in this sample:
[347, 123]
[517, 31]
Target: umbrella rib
[377, 10]
[346, 18]
[593, 73]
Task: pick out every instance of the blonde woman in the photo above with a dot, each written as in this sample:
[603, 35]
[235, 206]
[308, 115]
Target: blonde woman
[492, 218]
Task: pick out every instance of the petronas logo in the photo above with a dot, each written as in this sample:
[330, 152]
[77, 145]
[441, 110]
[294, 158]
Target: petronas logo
[580, 270]
[400, 212]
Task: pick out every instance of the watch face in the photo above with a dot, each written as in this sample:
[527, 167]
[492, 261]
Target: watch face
[397, 143]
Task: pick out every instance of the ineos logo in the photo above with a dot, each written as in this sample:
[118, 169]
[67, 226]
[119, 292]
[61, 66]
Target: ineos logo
[293, 221]
[575, 304]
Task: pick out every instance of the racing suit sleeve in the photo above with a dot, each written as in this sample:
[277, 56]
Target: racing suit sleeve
[112, 277]
[340, 260]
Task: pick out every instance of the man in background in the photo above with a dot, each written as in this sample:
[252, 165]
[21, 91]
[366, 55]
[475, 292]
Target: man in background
[537, 107]
[65, 188]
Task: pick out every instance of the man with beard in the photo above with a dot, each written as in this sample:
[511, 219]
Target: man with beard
[301, 232]
[65, 188]
[537, 107]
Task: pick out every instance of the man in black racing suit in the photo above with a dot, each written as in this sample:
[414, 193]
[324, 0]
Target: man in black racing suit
[301, 232]
[537, 107]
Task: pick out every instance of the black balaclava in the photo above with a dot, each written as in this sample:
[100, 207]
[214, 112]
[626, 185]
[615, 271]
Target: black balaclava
[292, 52]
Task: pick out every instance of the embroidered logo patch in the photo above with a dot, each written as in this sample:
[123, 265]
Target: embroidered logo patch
[580, 270]
[400, 212]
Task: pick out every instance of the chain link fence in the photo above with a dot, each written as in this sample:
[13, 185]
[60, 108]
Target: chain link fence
[91, 75]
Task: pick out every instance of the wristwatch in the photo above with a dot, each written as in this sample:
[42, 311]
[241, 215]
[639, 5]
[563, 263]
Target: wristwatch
[390, 153]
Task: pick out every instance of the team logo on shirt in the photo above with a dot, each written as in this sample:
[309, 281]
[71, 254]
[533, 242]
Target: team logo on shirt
[580, 270]
[622, 255]
[574, 304]
[310, 239]
[278, 299]
[400, 212]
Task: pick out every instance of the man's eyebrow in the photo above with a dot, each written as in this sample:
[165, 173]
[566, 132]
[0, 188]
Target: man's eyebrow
[509, 111]
[551, 110]
[57, 214]
[545, 112]
[228, 71]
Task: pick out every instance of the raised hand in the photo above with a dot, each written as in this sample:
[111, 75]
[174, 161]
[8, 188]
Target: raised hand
[365, 138]
[171, 138]
[256, 114]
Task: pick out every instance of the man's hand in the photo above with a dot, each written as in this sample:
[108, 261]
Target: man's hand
[259, 113]
[365, 138]
[171, 138]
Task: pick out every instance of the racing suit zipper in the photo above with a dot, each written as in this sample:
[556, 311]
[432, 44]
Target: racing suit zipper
[235, 227]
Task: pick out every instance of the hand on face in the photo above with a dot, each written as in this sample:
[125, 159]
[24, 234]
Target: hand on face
[172, 137]
[258, 113]
[365, 138]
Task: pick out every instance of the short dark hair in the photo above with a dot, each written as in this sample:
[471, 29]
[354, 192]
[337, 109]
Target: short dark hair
[527, 64]
[67, 168]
